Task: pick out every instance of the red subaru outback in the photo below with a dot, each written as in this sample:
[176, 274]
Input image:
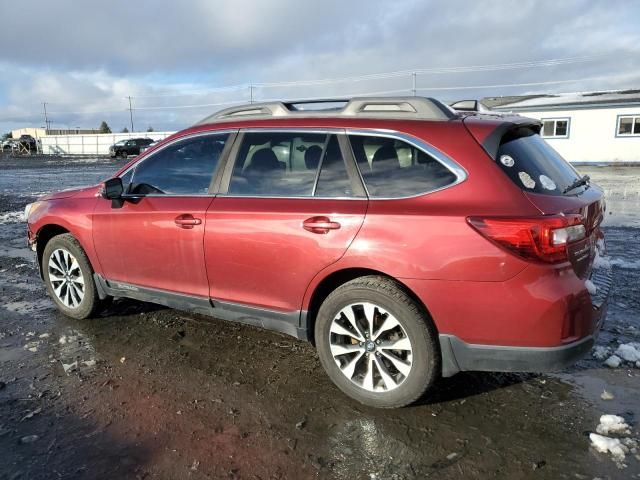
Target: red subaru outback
[407, 241]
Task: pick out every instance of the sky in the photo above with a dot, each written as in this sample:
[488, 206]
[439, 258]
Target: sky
[181, 61]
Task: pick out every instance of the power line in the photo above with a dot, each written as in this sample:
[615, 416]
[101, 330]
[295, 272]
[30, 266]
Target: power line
[505, 85]
[387, 75]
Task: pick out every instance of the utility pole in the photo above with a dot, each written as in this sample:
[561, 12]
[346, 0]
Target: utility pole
[250, 93]
[47, 126]
[413, 78]
[130, 113]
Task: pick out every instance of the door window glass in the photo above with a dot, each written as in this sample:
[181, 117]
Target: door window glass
[392, 168]
[280, 164]
[184, 168]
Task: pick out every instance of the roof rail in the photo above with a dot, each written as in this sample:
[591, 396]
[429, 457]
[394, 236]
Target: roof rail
[419, 108]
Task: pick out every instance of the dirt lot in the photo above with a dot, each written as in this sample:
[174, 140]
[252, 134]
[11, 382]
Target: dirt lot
[148, 392]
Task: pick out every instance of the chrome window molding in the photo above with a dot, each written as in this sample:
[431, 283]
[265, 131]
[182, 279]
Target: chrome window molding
[289, 197]
[446, 161]
[319, 130]
[226, 131]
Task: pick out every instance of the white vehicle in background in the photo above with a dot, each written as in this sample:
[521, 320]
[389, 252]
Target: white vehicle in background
[10, 145]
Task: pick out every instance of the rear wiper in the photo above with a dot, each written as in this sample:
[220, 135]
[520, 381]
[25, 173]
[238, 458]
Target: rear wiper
[584, 180]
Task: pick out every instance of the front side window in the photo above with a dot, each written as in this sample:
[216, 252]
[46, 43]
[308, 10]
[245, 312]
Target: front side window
[183, 168]
[555, 127]
[392, 168]
[286, 164]
[628, 125]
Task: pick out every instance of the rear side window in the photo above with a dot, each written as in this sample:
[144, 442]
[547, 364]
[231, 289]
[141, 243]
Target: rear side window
[289, 164]
[533, 165]
[392, 168]
[184, 168]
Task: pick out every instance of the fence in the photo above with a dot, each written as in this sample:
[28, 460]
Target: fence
[96, 144]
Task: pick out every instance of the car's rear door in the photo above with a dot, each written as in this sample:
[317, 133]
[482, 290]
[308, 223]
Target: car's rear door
[289, 206]
[154, 239]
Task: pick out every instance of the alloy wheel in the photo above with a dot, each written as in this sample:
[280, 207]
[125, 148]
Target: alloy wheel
[66, 278]
[370, 347]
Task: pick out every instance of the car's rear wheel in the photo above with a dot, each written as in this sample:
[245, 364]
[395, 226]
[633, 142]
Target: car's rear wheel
[69, 277]
[376, 343]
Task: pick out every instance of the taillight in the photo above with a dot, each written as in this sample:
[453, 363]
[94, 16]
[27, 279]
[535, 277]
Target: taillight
[542, 239]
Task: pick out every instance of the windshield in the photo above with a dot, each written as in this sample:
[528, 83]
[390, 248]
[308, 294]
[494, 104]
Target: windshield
[534, 166]
[121, 142]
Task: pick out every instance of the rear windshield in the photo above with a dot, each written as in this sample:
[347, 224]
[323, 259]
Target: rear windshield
[533, 165]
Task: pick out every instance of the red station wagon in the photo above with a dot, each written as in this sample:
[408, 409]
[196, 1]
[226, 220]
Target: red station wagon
[406, 240]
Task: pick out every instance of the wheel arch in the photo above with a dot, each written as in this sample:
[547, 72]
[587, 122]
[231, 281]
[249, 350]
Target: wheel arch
[339, 277]
[46, 233]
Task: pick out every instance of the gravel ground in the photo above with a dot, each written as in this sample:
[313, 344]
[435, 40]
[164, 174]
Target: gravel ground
[148, 392]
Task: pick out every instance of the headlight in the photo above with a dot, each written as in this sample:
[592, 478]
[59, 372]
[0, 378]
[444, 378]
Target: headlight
[30, 208]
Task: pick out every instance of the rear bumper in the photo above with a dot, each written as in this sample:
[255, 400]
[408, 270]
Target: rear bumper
[458, 356]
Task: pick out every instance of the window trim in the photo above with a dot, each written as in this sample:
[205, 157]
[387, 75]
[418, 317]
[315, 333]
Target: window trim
[555, 121]
[358, 189]
[428, 149]
[635, 117]
[215, 178]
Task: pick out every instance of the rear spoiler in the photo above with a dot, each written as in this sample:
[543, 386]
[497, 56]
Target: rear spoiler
[490, 134]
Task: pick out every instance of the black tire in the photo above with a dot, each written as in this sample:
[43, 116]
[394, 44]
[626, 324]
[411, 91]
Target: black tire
[388, 295]
[123, 154]
[90, 303]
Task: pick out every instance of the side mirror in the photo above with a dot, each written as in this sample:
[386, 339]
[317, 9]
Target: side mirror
[113, 189]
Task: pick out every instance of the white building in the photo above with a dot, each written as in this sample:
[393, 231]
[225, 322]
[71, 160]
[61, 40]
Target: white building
[584, 127]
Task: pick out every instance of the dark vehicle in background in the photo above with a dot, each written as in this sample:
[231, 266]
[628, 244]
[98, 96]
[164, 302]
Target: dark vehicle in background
[144, 148]
[27, 142]
[132, 146]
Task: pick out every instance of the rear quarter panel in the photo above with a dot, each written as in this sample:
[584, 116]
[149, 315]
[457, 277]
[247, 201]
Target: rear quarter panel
[427, 237]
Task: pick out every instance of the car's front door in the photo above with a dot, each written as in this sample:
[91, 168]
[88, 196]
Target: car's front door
[288, 207]
[155, 237]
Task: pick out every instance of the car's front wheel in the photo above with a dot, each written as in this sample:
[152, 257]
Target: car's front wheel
[376, 343]
[69, 277]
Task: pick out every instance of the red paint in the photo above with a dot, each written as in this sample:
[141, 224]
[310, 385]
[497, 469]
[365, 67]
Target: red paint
[260, 252]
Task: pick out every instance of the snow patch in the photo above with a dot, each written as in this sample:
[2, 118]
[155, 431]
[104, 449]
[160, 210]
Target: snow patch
[613, 361]
[613, 424]
[609, 445]
[11, 217]
[601, 353]
[629, 352]
[601, 262]
[606, 395]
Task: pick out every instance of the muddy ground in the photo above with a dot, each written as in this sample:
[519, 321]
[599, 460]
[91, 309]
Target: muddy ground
[148, 392]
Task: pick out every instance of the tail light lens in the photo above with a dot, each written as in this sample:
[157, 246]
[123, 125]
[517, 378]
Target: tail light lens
[542, 239]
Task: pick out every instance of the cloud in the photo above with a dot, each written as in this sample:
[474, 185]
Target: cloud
[87, 57]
